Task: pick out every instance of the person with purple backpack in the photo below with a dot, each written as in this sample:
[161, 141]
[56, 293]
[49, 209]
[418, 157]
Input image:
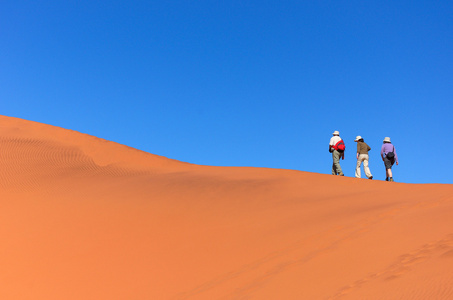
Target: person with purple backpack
[388, 154]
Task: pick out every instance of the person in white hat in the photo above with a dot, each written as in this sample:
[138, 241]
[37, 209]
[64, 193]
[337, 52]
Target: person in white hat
[388, 154]
[336, 147]
[362, 156]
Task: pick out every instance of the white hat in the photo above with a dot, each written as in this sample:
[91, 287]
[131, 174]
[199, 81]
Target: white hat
[387, 139]
[336, 132]
[357, 138]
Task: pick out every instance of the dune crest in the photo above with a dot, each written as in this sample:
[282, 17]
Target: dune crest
[85, 218]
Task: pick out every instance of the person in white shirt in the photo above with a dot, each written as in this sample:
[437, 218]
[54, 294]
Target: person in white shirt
[336, 154]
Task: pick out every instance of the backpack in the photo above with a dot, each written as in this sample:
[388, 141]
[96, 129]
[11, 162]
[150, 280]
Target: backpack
[391, 155]
[340, 146]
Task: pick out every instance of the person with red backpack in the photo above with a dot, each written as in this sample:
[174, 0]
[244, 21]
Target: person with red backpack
[337, 147]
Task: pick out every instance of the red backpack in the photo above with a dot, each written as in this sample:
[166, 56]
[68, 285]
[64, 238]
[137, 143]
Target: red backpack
[340, 146]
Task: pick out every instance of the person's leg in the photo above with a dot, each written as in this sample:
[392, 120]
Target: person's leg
[365, 166]
[357, 168]
[334, 169]
[388, 168]
[336, 162]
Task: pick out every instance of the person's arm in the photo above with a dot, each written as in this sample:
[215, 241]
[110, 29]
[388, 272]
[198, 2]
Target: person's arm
[382, 152]
[358, 150]
[396, 156]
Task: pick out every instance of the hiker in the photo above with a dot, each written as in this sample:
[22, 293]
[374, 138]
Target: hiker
[362, 156]
[336, 147]
[388, 154]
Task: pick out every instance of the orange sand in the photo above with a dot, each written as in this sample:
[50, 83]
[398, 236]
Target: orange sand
[85, 218]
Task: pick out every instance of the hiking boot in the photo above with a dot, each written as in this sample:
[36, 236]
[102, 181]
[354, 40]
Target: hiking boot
[371, 177]
[391, 179]
[386, 179]
[341, 174]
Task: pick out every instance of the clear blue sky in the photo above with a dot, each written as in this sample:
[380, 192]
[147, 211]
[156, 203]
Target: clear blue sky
[240, 83]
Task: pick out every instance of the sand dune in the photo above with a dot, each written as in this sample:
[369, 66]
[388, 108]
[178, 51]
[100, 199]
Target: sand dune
[85, 218]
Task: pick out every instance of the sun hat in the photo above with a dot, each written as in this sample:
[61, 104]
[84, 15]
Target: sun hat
[336, 132]
[357, 138]
[387, 139]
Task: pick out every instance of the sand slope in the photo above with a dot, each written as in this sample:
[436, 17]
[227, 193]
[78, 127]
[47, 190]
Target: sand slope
[84, 218]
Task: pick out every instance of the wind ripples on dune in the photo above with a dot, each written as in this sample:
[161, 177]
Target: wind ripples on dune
[28, 163]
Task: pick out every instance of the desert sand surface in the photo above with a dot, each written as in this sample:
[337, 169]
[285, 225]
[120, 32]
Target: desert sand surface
[85, 218]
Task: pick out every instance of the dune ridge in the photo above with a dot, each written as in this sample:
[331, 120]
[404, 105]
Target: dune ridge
[86, 218]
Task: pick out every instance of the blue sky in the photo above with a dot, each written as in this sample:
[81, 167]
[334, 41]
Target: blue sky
[240, 83]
